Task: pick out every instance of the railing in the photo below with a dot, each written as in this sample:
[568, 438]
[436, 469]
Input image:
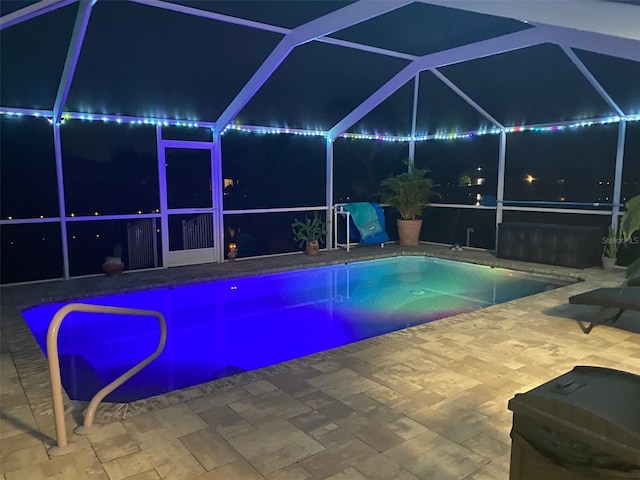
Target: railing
[197, 232]
[142, 244]
[63, 447]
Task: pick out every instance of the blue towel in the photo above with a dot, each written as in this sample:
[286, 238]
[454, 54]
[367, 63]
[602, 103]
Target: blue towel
[365, 218]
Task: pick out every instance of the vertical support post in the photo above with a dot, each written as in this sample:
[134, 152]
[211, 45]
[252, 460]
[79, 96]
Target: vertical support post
[617, 178]
[57, 145]
[154, 241]
[500, 190]
[329, 192]
[162, 184]
[218, 198]
[414, 117]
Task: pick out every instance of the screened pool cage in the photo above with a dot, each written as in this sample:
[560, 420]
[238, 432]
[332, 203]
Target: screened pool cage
[171, 129]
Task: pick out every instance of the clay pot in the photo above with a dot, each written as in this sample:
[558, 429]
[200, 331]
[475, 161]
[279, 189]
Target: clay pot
[312, 248]
[409, 232]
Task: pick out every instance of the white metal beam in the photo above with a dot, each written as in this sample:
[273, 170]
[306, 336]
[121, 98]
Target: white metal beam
[32, 11]
[57, 149]
[598, 16]
[273, 61]
[345, 17]
[466, 98]
[628, 49]
[342, 18]
[484, 48]
[196, 12]
[75, 45]
[592, 80]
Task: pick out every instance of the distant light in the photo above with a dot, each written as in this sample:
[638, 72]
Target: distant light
[73, 214]
[74, 237]
[9, 217]
[480, 181]
[41, 216]
[139, 211]
[529, 178]
[96, 213]
[97, 235]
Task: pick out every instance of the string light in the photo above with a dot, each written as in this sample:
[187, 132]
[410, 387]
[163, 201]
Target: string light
[316, 133]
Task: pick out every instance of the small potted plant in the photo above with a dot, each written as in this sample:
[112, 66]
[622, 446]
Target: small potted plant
[310, 231]
[409, 194]
[113, 265]
[611, 245]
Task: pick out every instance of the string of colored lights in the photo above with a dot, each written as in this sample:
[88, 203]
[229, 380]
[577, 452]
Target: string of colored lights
[122, 119]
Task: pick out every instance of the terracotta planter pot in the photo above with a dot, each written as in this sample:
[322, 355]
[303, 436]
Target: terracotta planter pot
[113, 266]
[312, 248]
[409, 232]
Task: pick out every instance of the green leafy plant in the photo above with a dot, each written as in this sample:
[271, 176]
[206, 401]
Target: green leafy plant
[408, 193]
[310, 230]
[629, 224]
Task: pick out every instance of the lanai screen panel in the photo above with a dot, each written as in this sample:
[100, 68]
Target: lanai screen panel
[282, 13]
[391, 117]
[158, 63]
[33, 55]
[441, 110]
[420, 29]
[317, 85]
[534, 85]
[619, 77]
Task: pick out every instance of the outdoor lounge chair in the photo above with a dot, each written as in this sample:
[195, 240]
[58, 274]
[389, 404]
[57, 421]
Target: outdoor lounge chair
[622, 298]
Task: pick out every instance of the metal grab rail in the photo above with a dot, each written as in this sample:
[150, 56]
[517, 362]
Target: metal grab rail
[63, 447]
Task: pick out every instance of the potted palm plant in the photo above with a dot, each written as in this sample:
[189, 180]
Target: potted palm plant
[409, 193]
[310, 231]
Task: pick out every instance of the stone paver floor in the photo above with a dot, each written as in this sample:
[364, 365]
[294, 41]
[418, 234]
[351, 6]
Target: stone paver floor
[429, 402]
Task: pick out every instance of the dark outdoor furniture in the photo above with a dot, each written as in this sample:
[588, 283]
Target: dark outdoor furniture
[622, 298]
[551, 244]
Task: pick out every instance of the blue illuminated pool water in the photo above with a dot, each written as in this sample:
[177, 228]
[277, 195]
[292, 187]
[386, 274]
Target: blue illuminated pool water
[221, 328]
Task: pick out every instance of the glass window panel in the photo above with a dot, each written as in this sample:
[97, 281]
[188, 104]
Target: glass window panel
[270, 171]
[573, 165]
[360, 166]
[28, 186]
[465, 169]
[31, 252]
[109, 168]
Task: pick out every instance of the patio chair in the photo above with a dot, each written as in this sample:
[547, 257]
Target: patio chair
[622, 298]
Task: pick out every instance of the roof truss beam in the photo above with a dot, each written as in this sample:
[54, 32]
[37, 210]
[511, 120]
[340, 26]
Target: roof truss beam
[350, 15]
[32, 11]
[485, 48]
[77, 38]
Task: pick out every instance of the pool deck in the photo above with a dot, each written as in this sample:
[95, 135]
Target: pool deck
[428, 402]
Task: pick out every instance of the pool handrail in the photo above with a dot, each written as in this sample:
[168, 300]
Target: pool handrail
[63, 446]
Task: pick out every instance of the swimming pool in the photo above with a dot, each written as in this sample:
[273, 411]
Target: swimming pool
[229, 326]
